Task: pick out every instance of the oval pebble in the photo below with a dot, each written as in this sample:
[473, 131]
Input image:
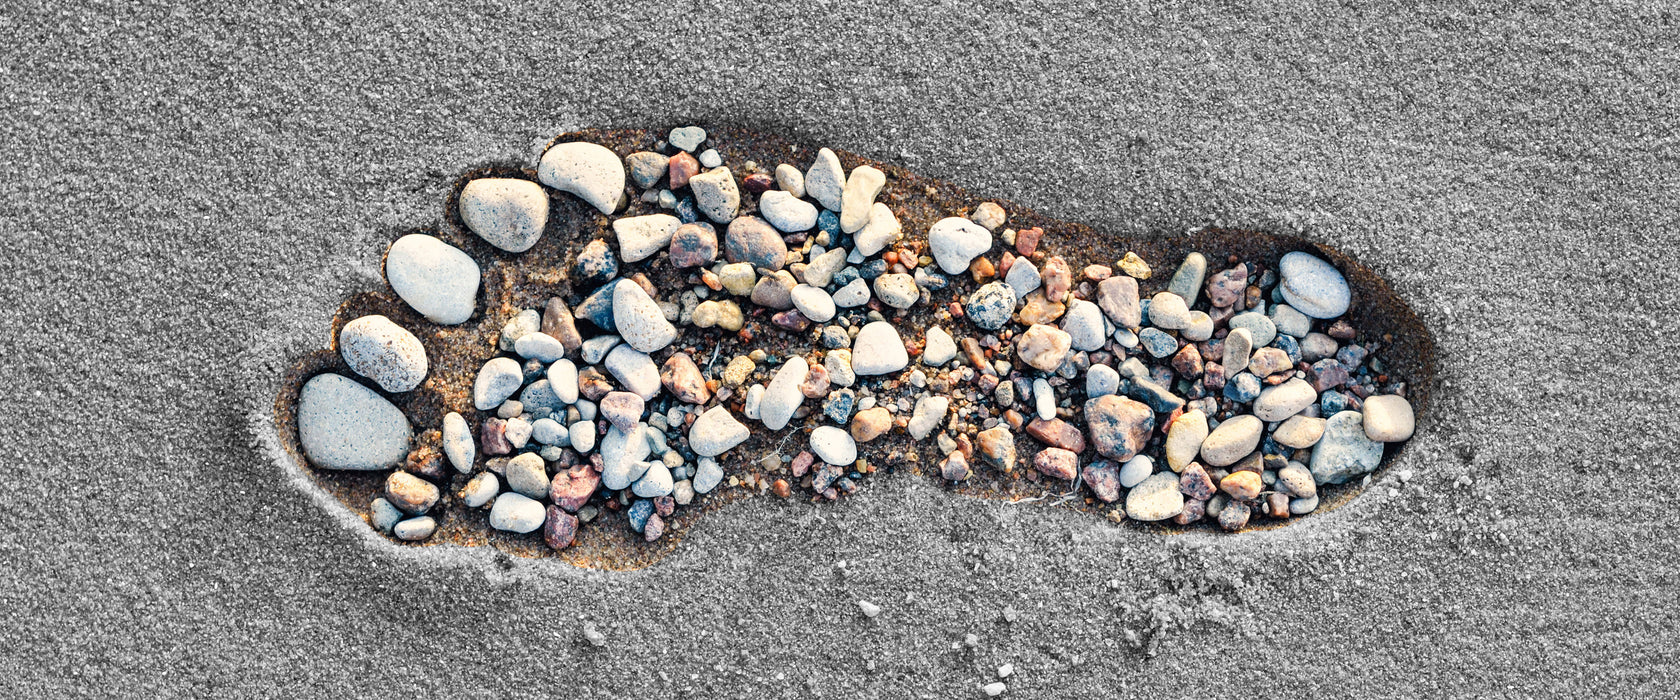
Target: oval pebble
[1232, 440]
[515, 513]
[383, 351]
[480, 490]
[1313, 286]
[435, 278]
[496, 381]
[344, 425]
[834, 446]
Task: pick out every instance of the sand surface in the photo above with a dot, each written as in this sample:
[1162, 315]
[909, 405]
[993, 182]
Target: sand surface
[184, 188]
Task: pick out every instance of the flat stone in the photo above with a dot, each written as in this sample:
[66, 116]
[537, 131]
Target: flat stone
[1118, 299]
[955, 242]
[775, 290]
[752, 240]
[622, 409]
[1023, 277]
[458, 445]
[1135, 470]
[1168, 311]
[1269, 361]
[871, 423]
[1388, 418]
[1227, 287]
[693, 245]
[590, 171]
[821, 269]
[825, 181]
[858, 197]
[513, 512]
[634, 371]
[1056, 432]
[437, 279]
[990, 306]
[1119, 426]
[1261, 330]
[687, 138]
[646, 167]
[897, 290]
[787, 212]
[1238, 344]
[997, 447]
[539, 346]
[707, 475]
[1284, 400]
[383, 351]
[716, 194]
[496, 381]
[1184, 439]
[927, 416]
[415, 529]
[639, 237]
[1232, 440]
[1296, 481]
[640, 321]
[1187, 281]
[1299, 432]
[1042, 347]
[508, 213]
[939, 347]
[878, 349]
[1155, 498]
[1157, 342]
[1057, 463]
[622, 452]
[882, 230]
[834, 446]
[1313, 286]
[782, 397]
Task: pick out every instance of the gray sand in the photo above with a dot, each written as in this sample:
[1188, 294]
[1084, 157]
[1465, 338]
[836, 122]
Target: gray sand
[182, 187]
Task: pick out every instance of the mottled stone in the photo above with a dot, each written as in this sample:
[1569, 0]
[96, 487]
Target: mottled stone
[1057, 463]
[1119, 426]
[508, 213]
[1232, 440]
[752, 240]
[1155, 498]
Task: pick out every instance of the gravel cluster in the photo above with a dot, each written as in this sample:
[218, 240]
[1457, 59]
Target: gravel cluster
[1232, 394]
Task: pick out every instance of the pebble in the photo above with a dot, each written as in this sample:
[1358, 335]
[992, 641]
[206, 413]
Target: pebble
[1227, 287]
[1238, 345]
[581, 435]
[622, 453]
[1200, 328]
[1299, 432]
[597, 308]
[1313, 286]
[655, 482]
[782, 397]
[383, 351]
[517, 432]
[1023, 277]
[634, 371]
[1118, 299]
[858, 197]
[882, 230]
[437, 279]
[994, 688]
[1269, 361]
[955, 242]
[707, 475]
[1168, 311]
[1284, 400]
[854, 294]
[383, 516]
[939, 347]
[716, 194]
[1134, 266]
[516, 513]
[344, 425]
[897, 290]
[681, 167]
[639, 237]
[496, 381]
[687, 138]
[928, 415]
[990, 306]
[1041, 346]
[1297, 481]
[410, 493]
[595, 264]
[458, 443]
[415, 529]
[1044, 399]
[822, 267]
[1157, 497]
[1318, 346]
[1303, 506]
[1261, 330]
[1101, 380]
[989, 215]
[715, 432]
[480, 490]
[954, 467]
[640, 321]
[1388, 418]
[787, 212]
[997, 447]
[1135, 470]
[1233, 440]
[871, 423]
[1234, 516]
[878, 349]
[1083, 323]
[1290, 322]
[506, 212]
[1242, 388]
[563, 381]
[1057, 463]
[834, 445]
[526, 475]
[1187, 281]
[1242, 485]
[559, 529]
[1119, 426]
[825, 181]
[622, 408]
[646, 167]
[752, 240]
[869, 609]
[1157, 343]
[1184, 439]
[790, 180]
[590, 171]
[682, 378]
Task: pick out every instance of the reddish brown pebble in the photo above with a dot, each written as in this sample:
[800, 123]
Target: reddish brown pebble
[682, 378]
[425, 461]
[1193, 511]
[1058, 278]
[1057, 463]
[1234, 516]
[1341, 330]
[559, 529]
[1057, 433]
[1098, 273]
[791, 320]
[1213, 376]
[557, 323]
[802, 463]
[870, 424]
[592, 384]
[1103, 477]
[758, 183]
[1278, 505]
[665, 505]
[1326, 374]
[982, 270]
[1119, 426]
[682, 167]
[955, 467]
[492, 435]
[1241, 486]
[1188, 361]
[655, 528]
[1027, 241]
[1226, 288]
[815, 385]
[1195, 482]
[693, 245]
[572, 488]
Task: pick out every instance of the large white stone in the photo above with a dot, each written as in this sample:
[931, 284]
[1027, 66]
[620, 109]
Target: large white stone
[640, 321]
[383, 351]
[344, 425]
[878, 349]
[782, 398]
[508, 213]
[956, 242]
[435, 278]
[715, 432]
[639, 237]
[590, 171]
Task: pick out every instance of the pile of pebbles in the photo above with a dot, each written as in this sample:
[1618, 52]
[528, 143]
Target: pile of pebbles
[969, 350]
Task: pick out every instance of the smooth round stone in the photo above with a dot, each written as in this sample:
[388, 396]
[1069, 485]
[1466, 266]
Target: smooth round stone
[655, 482]
[939, 347]
[1200, 328]
[497, 380]
[1044, 399]
[383, 351]
[1284, 400]
[1345, 451]
[854, 294]
[1184, 439]
[640, 321]
[881, 231]
[813, 302]
[563, 381]
[526, 475]
[458, 443]
[825, 181]
[1101, 380]
[1260, 329]
[1168, 311]
[634, 371]
[1135, 470]
[834, 446]
[787, 212]
[506, 212]
[750, 239]
[384, 516]
[990, 306]
[897, 290]
[410, 493]
[515, 513]
[687, 138]
[1290, 322]
[1299, 432]
[790, 180]
[480, 489]
[639, 237]
[716, 194]
[878, 349]
[715, 432]
[956, 242]
[539, 346]
[782, 398]
[1083, 322]
[415, 529]
[621, 455]
[590, 171]
[1232, 440]
[1389, 418]
[344, 425]
[1155, 498]
[435, 278]
[581, 435]
[1023, 277]
[1303, 506]
[1317, 346]
[1313, 286]
[707, 475]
